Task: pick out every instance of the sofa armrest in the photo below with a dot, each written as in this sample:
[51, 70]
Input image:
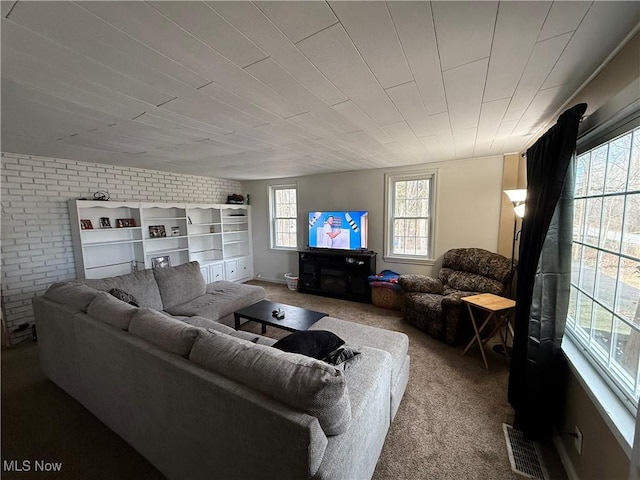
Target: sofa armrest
[421, 284]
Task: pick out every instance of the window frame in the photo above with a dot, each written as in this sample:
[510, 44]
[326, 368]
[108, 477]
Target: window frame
[587, 346]
[272, 218]
[391, 178]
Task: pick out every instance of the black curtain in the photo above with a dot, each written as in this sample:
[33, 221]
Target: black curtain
[544, 269]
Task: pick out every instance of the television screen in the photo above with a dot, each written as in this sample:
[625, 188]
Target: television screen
[339, 229]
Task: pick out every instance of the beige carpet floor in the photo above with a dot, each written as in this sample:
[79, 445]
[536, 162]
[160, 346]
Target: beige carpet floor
[448, 426]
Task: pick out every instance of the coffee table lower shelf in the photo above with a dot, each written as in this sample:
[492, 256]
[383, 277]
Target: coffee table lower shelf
[295, 318]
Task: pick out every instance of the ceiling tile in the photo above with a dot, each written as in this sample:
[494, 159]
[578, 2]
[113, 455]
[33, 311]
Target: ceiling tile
[464, 31]
[582, 56]
[47, 52]
[298, 20]
[564, 17]
[208, 27]
[517, 29]
[26, 70]
[414, 24]
[464, 86]
[544, 57]
[272, 75]
[407, 100]
[336, 57]
[491, 114]
[360, 119]
[83, 32]
[6, 6]
[369, 26]
[249, 20]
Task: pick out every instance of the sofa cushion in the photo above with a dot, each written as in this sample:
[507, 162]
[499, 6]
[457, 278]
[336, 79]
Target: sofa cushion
[301, 382]
[312, 343]
[141, 284]
[109, 309]
[124, 296]
[207, 324]
[221, 299]
[395, 343]
[471, 282]
[478, 261]
[180, 284]
[420, 283]
[166, 332]
[253, 337]
[74, 295]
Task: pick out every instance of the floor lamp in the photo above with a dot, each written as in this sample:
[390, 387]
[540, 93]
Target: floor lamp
[517, 199]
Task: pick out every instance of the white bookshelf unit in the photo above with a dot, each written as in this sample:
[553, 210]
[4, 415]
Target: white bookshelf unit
[145, 235]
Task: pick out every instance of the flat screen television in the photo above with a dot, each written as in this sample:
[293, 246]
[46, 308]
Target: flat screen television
[341, 230]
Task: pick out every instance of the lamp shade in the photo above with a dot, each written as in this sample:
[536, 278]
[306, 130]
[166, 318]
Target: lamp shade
[517, 196]
[519, 209]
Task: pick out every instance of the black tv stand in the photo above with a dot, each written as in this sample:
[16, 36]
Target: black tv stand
[336, 273]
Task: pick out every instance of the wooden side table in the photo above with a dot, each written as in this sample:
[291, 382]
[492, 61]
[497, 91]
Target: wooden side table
[493, 304]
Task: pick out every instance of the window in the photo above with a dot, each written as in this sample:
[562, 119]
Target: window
[604, 308]
[409, 214]
[283, 203]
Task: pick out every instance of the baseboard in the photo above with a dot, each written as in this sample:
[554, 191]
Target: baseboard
[270, 280]
[565, 459]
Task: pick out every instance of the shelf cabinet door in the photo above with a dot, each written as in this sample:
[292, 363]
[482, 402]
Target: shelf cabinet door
[244, 268]
[231, 269]
[216, 272]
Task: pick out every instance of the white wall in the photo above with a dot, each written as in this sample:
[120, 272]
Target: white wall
[36, 233]
[469, 195]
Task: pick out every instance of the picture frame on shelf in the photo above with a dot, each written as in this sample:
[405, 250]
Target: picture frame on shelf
[175, 231]
[157, 231]
[125, 222]
[86, 225]
[163, 261]
[105, 222]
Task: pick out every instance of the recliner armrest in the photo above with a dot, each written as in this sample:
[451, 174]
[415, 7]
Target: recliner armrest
[421, 284]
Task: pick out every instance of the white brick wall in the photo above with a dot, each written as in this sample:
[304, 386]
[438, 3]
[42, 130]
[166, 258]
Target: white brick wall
[36, 234]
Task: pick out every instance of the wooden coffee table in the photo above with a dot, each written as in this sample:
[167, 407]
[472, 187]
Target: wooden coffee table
[295, 318]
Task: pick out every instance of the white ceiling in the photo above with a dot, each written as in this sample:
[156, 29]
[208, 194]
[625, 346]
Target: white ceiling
[274, 89]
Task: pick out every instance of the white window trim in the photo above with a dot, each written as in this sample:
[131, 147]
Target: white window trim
[271, 198]
[389, 179]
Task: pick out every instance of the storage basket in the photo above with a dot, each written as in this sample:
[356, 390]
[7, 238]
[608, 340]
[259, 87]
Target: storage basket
[292, 281]
[385, 298]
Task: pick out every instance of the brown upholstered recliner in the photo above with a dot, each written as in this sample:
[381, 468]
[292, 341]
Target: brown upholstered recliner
[434, 305]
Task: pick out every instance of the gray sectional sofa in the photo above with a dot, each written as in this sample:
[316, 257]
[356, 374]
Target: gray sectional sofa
[201, 400]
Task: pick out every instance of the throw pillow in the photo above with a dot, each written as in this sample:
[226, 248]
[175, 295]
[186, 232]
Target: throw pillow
[124, 296]
[312, 343]
[343, 357]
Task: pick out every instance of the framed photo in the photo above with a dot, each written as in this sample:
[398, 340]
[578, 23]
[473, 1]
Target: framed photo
[105, 222]
[161, 262]
[175, 231]
[125, 222]
[86, 225]
[157, 231]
